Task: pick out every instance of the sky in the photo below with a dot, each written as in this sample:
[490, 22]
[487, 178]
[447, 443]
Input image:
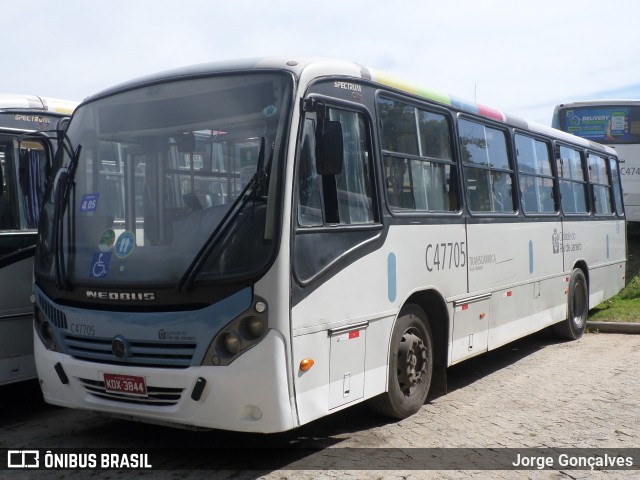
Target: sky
[520, 57]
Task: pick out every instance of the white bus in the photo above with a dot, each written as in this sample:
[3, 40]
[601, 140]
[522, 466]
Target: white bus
[615, 123]
[27, 143]
[254, 245]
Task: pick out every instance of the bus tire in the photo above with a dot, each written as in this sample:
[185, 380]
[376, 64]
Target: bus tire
[577, 308]
[410, 365]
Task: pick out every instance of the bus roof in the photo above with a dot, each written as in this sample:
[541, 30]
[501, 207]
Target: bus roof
[603, 102]
[311, 67]
[11, 101]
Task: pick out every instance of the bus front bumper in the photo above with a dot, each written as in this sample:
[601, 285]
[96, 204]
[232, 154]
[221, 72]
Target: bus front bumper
[250, 395]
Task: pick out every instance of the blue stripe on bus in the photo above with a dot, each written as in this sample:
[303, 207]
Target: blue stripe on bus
[530, 256]
[607, 245]
[391, 277]
[465, 105]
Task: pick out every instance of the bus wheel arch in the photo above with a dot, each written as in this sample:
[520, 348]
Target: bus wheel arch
[574, 326]
[435, 307]
[582, 265]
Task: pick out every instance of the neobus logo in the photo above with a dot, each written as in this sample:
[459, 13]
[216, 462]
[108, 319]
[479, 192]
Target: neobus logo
[122, 296]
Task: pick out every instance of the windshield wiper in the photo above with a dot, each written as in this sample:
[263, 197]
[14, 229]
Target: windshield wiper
[249, 192]
[61, 196]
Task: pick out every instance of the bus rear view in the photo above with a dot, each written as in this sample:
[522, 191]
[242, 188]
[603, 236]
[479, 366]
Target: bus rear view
[615, 123]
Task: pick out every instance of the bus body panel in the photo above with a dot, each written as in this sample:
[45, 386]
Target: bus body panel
[629, 156]
[354, 306]
[513, 267]
[601, 246]
[16, 345]
[249, 395]
[16, 316]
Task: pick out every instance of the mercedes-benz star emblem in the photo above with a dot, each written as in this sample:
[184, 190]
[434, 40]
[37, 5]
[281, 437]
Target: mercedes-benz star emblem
[119, 347]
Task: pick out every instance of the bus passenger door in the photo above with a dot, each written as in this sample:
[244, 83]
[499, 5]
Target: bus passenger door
[336, 230]
[24, 167]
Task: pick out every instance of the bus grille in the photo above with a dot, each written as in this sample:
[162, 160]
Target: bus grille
[158, 396]
[55, 316]
[141, 353]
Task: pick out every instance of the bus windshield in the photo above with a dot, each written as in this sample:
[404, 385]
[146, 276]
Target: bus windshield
[603, 123]
[158, 177]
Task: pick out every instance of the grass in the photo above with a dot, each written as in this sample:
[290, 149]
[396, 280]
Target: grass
[625, 306]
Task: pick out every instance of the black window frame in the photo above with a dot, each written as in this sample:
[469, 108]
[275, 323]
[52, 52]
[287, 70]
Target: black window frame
[336, 103]
[553, 176]
[509, 148]
[593, 185]
[616, 185]
[585, 181]
[454, 162]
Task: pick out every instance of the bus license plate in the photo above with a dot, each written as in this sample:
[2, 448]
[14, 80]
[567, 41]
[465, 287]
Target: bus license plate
[129, 384]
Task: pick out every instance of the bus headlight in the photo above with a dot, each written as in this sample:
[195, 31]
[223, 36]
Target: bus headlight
[256, 326]
[240, 335]
[44, 330]
[231, 343]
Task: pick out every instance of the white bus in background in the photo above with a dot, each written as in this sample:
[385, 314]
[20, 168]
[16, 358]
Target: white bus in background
[28, 140]
[615, 123]
[257, 244]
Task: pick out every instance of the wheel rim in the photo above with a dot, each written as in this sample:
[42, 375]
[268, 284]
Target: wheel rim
[579, 304]
[412, 361]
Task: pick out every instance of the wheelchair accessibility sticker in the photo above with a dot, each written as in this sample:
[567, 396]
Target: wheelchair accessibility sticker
[100, 264]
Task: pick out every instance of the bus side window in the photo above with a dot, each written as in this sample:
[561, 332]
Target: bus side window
[487, 167]
[32, 176]
[615, 181]
[354, 185]
[419, 167]
[345, 198]
[601, 187]
[573, 183]
[309, 197]
[536, 177]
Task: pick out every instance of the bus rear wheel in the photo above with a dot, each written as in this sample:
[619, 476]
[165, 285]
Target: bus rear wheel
[577, 308]
[410, 365]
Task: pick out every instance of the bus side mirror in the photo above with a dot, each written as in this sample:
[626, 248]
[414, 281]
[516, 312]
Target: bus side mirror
[61, 129]
[330, 148]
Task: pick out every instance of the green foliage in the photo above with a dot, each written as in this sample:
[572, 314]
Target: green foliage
[624, 307]
[632, 290]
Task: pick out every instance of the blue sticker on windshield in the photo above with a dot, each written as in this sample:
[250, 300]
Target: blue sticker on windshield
[270, 111]
[100, 264]
[125, 244]
[89, 202]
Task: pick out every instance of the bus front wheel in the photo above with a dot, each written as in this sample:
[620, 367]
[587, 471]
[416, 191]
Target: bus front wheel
[410, 365]
[577, 308]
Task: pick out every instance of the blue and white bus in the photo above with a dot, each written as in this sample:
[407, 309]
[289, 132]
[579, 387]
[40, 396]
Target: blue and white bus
[254, 245]
[615, 123]
[28, 140]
